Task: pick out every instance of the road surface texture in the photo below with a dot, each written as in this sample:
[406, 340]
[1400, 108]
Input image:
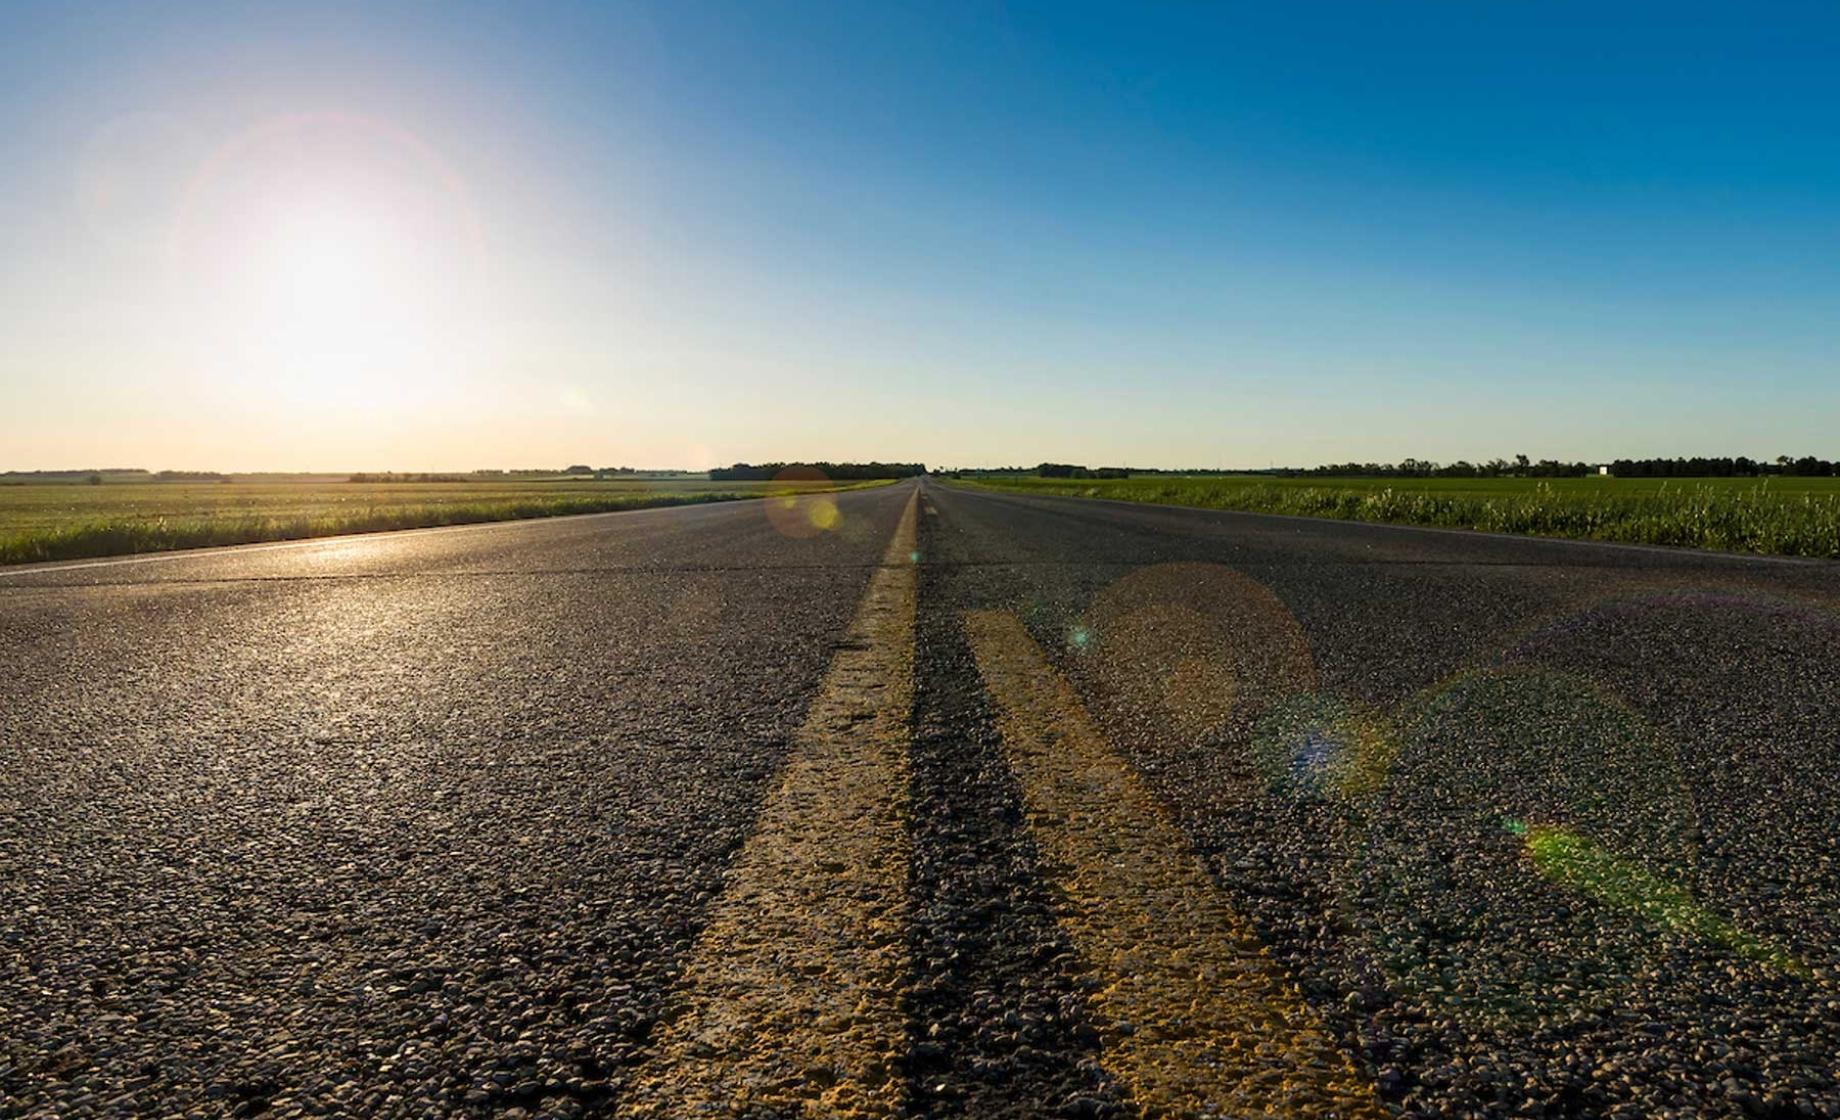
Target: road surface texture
[921, 802]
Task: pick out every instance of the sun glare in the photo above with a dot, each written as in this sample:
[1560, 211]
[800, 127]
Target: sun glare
[330, 259]
[331, 286]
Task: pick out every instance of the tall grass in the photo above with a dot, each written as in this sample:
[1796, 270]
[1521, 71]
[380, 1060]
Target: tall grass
[85, 538]
[1685, 514]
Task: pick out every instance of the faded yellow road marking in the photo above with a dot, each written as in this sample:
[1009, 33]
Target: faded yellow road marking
[791, 1001]
[1196, 1018]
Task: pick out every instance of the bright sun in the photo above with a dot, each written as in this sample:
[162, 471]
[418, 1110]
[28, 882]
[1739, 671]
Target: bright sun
[329, 285]
[330, 306]
[330, 258]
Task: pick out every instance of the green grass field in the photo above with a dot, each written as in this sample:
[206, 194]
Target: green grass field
[65, 521]
[1780, 516]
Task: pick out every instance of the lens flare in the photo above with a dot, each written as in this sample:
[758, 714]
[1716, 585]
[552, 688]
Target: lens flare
[794, 511]
[1317, 746]
[1197, 650]
[1443, 895]
[1576, 862]
[823, 513]
[130, 177]
[1757, 650]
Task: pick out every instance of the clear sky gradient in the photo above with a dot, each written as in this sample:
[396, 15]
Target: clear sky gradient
[444, 236]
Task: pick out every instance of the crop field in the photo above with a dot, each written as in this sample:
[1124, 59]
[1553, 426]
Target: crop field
[65, 521]
[1778, 515]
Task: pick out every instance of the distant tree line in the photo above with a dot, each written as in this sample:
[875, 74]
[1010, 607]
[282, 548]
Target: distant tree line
[97, 476]
[1518, 467]
[580, 469]
[77, 475]
[406, 476]
[1808, 466]
[1070, 470]
[756, 472]
[1522, 467]
[1057, 470]
[571, 473]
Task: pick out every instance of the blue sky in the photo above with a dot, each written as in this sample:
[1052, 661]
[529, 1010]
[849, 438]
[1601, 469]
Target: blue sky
[444, 236]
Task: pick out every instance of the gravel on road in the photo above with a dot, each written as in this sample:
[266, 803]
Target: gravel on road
[434, 823]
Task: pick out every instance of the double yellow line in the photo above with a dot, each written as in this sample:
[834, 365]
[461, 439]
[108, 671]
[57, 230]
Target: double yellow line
[1195, 1016]
[792, 999]
[791, 1003]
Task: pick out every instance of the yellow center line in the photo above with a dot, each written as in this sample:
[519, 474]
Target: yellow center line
[791, 1002]
[1196, 1018]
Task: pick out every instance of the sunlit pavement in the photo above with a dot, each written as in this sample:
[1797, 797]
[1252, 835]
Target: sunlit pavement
[917, 801]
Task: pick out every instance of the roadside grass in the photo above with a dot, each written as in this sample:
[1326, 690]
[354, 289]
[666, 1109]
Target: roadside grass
[1776, 516]
[41, 522]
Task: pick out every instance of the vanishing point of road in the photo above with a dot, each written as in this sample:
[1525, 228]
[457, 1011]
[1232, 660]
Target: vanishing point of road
[921, 801]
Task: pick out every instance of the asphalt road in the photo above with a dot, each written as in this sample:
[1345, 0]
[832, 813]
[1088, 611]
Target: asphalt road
[440, 822]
